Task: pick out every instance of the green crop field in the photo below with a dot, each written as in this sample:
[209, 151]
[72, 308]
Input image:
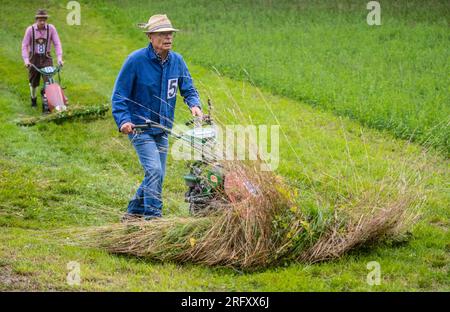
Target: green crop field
[357, 104]
[323, 53]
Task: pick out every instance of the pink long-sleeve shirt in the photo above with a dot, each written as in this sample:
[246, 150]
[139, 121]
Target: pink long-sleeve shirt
[41, 33]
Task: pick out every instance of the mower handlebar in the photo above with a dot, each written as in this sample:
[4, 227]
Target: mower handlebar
[151, 124]
[147, 125]
[56, 69]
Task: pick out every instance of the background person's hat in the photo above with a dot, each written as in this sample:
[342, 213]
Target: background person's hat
[157, 23]
[41, 13]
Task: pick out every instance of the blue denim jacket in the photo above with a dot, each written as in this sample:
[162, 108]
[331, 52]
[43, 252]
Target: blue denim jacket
[147, 88]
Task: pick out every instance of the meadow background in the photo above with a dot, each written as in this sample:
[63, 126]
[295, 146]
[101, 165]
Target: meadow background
[345, 94]
[393, 77]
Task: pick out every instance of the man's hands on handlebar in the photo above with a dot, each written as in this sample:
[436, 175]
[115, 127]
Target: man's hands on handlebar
[127, 128]
[28, 64]
[196, 111]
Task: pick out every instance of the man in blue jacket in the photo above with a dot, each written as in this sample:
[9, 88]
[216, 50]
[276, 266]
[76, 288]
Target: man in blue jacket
[146, 89]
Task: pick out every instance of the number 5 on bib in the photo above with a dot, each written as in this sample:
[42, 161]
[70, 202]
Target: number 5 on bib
[172, 86]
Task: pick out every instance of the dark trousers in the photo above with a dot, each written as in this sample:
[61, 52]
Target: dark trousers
[39, 61]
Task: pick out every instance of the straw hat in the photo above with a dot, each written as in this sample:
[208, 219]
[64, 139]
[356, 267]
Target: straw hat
[157, 23]
[41, 13]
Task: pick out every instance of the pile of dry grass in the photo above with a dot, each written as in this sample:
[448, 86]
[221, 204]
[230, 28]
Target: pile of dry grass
[386, 223]
[262, 230]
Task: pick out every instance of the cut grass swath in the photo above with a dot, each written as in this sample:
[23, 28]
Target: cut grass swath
[265, 230]
[92, 112]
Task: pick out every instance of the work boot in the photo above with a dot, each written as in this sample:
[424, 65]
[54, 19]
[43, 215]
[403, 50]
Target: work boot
[150, 218]
[129, 217]
[34, 102]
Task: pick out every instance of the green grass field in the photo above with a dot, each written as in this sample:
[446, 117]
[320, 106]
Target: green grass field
[79, 174]
[323, 53]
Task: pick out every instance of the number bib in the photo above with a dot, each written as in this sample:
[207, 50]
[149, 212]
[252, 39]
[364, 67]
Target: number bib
[172, 86]
[41, 46]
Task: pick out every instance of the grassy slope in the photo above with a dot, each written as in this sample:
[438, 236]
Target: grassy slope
[74, 175]
[323, 52]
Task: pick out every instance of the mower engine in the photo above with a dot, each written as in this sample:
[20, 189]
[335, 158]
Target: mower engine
[210, 186]
[205, 180]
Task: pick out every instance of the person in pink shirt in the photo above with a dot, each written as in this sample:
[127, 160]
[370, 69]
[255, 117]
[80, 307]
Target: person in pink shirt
[36, 46]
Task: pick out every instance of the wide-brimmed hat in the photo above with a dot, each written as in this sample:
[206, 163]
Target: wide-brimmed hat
[41, 13]
[157, 23]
